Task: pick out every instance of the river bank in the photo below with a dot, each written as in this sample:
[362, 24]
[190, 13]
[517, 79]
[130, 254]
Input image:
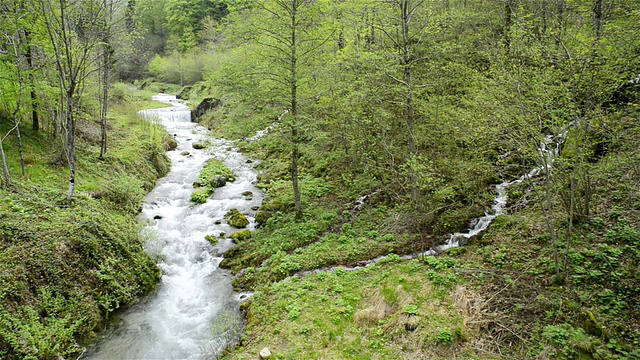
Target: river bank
[66, 268]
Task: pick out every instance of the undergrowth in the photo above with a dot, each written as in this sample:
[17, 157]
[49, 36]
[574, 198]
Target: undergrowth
[64, 268]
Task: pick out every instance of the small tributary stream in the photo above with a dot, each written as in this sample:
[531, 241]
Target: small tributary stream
[194, 313]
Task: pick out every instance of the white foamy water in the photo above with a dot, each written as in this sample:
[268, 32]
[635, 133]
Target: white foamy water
[194, 313]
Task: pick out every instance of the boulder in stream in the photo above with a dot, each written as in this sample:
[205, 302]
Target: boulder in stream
[218, 181]
[199, 145]
[236, 219]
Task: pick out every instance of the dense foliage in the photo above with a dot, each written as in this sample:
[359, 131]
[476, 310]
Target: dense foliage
[391, 122]
[64, 268]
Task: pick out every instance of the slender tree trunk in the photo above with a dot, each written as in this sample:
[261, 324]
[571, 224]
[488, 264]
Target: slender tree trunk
[34, 97]
[16, 112]
[294, 110]
[407, 62]
[71, 151]
[104, 98]
[5, 167]
[549, 213]
[598, 18]
[508, 22]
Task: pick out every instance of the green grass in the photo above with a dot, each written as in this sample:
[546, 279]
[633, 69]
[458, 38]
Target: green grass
[65, 267]
[385, 311]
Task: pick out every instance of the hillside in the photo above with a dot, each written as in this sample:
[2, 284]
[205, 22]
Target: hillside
[65, 268]
[384, 127]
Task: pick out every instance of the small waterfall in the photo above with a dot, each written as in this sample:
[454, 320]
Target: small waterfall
[261, 133]
[548, 149]
[194, 314]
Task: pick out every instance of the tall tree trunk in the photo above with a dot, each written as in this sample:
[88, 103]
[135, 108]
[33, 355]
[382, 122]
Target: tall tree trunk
[32, 82]
[71, 150]
[409, 109]
[294, 110]
[598, 18]
[104, 96]
[549, 212]
[508, 22]
[16, 112]
[5, 167]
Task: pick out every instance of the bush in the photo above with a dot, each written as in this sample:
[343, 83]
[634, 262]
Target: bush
[126, 192]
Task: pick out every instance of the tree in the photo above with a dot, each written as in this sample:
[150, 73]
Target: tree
[104, 70]
[289, 35]
[73, 28]
[406, 31]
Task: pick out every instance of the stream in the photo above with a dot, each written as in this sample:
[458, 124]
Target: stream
[194, 313]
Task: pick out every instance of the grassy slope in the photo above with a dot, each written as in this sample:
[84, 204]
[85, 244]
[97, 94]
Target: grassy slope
[493, 299]
[63, 268]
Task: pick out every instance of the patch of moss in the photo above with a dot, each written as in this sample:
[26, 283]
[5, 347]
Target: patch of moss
[200, 195]
[213, 169]
[241, 235]
[236, 219]
[211, 239]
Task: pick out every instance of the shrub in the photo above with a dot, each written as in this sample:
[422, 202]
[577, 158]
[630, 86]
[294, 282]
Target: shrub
[126, 192]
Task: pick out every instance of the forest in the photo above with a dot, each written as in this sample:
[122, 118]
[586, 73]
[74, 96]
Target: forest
[393, 125]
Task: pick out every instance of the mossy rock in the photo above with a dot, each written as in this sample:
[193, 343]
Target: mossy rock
[198, 145]
[212, 173]
[236, 219]
[456, 251]
[170, 143]
[590, 324]
[263, 214]
[201, 195]
[241, 235]
[211, 239]
[218, 181]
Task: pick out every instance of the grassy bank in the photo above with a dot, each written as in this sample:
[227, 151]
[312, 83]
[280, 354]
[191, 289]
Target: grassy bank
[64, 268]
[499, 297]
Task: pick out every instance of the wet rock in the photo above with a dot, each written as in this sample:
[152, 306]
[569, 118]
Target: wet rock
[255, 208]
[218, 181]
[205, 105]
[236, 219]
[157, 217]
[218, 222]
[265, 353]
[248, 195]
[170, 144]
[184, 153]
[199, 145]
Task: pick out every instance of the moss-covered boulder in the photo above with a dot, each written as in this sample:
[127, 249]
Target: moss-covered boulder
[200, 145]
[241, 235]
[214, 174]
[236, 219]
[170, 143]
[218, 181]
[201, 195]
[214, 169]
[211, 239]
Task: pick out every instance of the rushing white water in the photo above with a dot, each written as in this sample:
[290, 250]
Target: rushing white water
[194, 313]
